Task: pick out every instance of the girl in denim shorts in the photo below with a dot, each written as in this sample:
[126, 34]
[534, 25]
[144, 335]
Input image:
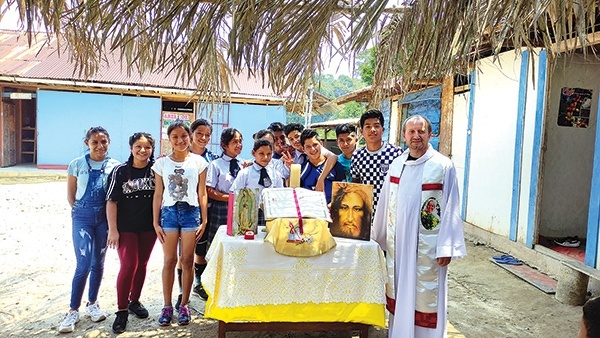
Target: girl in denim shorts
[180, 190]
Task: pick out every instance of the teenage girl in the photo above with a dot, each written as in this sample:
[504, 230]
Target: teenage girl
[201, 133]
[130, 230]
[261, 174]
[221, 174]
[180, 189]
[86, 194]
[278, 163]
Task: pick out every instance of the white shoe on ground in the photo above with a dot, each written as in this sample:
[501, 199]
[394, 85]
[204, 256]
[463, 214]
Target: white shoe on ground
[93, 310]
[68, 324]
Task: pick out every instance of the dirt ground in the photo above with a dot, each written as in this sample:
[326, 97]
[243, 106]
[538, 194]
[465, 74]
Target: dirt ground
[37, 265]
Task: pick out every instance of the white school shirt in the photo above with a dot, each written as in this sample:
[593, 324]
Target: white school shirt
[249, 177]
[279, 165]
[218, 176]
[180, 178]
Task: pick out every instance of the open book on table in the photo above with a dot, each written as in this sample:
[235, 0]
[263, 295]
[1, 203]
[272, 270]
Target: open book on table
[281, 203]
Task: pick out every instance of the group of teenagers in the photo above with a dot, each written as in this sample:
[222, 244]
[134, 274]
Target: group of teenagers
[180, 199]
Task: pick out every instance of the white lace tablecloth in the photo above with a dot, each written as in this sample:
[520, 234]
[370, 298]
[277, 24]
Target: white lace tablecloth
[242, 273]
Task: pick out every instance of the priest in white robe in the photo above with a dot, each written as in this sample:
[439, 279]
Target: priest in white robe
[418, 224]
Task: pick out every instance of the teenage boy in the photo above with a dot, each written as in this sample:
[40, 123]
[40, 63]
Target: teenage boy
[346, 139]
[293, 132]
[370, 163]
[313, 166]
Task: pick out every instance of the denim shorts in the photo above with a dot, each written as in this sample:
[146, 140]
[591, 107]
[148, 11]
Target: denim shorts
[180, 217]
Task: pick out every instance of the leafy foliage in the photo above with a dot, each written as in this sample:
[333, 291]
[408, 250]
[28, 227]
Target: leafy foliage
[365, 62]
[331, 87]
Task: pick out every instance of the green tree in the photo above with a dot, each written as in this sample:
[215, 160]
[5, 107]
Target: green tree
[331, 87]
[365, 62]
[351, 109]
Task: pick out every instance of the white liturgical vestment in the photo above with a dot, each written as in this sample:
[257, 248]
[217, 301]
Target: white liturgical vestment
[418, 220]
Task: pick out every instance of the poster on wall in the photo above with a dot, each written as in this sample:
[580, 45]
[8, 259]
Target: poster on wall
[574, 108]
[169, 117]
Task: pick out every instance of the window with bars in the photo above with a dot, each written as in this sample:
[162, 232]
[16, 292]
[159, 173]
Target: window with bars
[218, 115]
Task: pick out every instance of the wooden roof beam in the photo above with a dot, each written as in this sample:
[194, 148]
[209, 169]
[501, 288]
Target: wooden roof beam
[575, 43]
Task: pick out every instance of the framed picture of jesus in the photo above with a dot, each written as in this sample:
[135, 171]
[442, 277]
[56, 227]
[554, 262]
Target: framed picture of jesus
[351, 210]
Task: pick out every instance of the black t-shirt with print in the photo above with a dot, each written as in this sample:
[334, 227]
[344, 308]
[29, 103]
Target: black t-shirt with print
[133, 190]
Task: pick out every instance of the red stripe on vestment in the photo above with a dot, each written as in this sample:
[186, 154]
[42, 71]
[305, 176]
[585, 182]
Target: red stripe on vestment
[395, 179]
[432, 186]
[390, 304]
[428, 320]
[422, 319]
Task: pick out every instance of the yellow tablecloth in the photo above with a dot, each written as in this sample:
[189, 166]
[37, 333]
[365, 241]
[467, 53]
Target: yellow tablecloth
[248, 281]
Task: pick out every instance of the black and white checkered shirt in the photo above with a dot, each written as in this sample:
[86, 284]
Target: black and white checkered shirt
[371, 167]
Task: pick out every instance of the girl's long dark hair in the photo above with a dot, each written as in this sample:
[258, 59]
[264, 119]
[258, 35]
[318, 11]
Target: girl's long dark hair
[134, 138]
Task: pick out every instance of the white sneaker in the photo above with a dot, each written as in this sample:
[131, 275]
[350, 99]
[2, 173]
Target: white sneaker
[93, 310]
[68, 324]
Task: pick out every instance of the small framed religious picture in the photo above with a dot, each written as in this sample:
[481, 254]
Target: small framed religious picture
[351, 210]
[244, 212]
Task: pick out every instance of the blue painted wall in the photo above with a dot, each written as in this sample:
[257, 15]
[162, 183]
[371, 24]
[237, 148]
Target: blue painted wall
[386, 111]
[64, 117]
[427, 103]
[248, 119]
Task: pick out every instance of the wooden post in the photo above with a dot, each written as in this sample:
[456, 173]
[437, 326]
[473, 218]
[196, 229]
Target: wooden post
[446, 115]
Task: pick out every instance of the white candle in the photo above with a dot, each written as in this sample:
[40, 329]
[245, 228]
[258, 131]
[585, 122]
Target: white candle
[295, 176]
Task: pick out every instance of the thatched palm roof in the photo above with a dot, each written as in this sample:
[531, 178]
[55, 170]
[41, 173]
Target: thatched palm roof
[283, 40]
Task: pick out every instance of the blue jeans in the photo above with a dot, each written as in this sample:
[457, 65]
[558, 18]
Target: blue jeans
[90, 234]
[180, 217]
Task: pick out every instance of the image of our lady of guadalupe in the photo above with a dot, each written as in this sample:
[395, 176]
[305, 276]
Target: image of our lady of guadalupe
[430, 214]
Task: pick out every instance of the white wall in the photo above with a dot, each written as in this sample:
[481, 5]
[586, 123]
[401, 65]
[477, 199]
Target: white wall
[527, 146]
[493, 143]
[459, 135]
[568, 157]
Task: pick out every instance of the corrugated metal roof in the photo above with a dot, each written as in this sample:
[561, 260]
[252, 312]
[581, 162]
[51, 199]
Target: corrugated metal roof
[42, 61]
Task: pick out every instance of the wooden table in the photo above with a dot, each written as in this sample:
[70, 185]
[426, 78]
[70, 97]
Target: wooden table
[253, 288]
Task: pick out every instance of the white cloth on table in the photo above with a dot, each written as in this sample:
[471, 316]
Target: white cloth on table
[354, 271]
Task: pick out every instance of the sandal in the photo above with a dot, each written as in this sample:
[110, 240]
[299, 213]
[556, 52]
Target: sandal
[509, 260]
